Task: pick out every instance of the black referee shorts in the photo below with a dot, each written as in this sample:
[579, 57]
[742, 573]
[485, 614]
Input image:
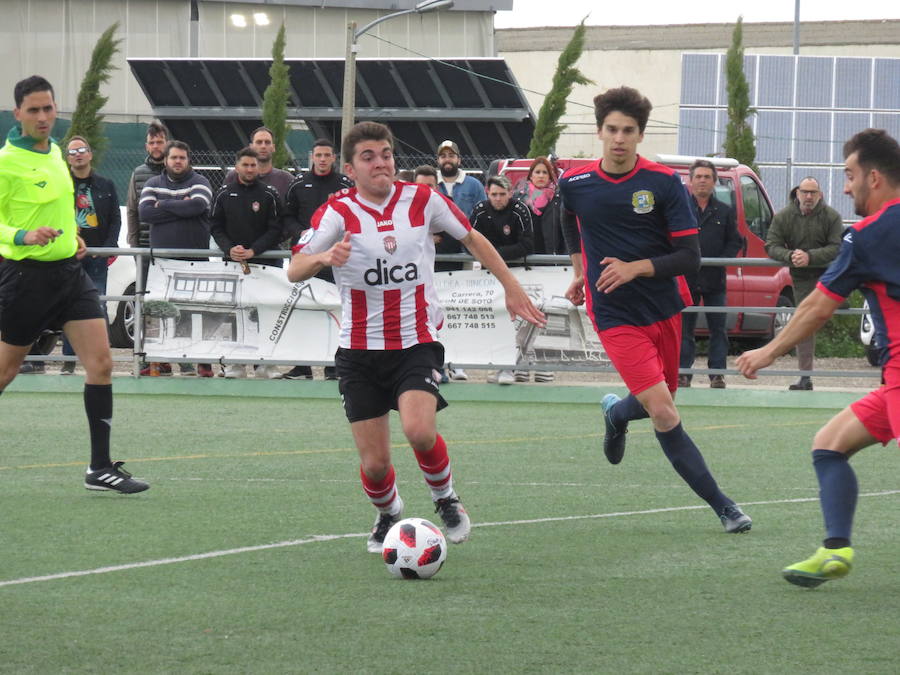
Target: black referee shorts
[371, 381]
[37, 295]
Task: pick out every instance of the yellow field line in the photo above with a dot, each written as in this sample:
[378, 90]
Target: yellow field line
[324, 451]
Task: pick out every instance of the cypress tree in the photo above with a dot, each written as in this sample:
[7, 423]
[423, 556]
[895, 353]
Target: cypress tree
[87, 120]
[547, 129]
[275, 102]
[739, 141]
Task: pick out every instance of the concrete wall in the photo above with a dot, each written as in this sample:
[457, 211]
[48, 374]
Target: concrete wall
[54, 38]
[656, 71]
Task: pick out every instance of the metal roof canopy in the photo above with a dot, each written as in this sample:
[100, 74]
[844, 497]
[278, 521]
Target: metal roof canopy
[213, 104]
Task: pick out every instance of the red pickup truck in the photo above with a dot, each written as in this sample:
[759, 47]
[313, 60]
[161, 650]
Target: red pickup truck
[740, 188]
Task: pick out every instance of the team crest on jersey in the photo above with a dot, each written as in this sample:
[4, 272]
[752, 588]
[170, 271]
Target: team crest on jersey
[255, 207]
[643, 201]
[390, 244]
[507, 230]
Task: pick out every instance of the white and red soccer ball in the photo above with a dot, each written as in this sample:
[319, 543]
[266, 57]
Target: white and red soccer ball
[414, 548]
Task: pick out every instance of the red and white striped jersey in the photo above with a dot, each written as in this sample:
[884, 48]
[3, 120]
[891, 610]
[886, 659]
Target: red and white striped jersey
[387, 286]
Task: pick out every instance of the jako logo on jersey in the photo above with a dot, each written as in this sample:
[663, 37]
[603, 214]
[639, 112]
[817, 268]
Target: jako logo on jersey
[580, 176]
[390, 245]
[383, 274]
[643, 201]
[42, 184]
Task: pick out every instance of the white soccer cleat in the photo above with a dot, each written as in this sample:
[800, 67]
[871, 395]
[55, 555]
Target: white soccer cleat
[383, 523]
[455, 518]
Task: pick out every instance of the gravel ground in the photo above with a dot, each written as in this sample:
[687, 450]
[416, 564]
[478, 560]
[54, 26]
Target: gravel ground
[869, 377]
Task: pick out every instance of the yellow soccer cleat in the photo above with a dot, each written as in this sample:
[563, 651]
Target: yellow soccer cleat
[825, 565]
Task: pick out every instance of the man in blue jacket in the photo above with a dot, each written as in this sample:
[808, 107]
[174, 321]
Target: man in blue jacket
[465, 191]
[719, 238]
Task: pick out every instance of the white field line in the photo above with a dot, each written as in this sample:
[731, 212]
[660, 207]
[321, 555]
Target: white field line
[331, 537]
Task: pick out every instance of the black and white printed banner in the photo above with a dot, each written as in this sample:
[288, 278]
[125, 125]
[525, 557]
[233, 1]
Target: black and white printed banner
[212, 310]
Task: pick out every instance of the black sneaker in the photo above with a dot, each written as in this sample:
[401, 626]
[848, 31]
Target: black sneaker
[32, 368]
[614, 439]
[68, 368]
[115, 478]
[456, 519]
[298, 373]
[383, 523]
[331, 373]
[734, 520]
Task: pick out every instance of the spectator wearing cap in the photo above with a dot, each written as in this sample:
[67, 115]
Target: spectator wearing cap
[464, 190]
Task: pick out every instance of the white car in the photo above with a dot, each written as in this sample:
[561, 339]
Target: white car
[867, 337]
[120, 281]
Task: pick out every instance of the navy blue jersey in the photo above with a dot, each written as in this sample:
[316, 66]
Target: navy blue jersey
[868, 260]
[633, 217]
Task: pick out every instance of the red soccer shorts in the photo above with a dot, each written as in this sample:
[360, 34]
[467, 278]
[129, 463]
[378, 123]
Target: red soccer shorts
[645, 355]
[879, 411]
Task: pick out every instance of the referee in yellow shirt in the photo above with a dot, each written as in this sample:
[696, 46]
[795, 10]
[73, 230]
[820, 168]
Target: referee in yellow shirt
[42, 282]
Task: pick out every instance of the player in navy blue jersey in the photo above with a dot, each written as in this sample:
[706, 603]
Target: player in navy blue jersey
[632, 235]
[867, 260]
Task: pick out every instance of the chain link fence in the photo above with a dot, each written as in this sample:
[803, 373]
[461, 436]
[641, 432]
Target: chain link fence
[118, 164]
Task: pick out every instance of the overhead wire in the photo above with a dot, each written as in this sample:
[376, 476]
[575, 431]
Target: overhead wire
[663, 123]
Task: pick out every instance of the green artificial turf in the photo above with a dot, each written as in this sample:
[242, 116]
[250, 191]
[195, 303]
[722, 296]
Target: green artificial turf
[573, 565]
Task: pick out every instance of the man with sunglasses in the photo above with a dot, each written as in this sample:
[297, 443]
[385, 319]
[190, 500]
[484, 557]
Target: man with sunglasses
[98, 217]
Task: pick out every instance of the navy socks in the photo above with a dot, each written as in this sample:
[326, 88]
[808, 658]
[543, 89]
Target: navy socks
[838, 492]
[629, 408]
[688, 463]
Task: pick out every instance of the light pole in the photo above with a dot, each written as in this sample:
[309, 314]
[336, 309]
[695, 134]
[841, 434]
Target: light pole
[349, 103]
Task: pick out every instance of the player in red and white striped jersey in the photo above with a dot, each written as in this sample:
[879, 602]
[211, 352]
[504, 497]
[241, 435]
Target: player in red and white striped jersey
[377, 237]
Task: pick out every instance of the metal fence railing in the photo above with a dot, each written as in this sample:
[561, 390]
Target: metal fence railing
[138, 299]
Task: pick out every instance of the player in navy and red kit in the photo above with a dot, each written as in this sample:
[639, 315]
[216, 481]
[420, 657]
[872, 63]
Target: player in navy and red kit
[867, 260]
[378, 238]
[632, 238]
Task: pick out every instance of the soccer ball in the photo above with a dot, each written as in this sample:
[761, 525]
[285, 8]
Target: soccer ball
[414, 548]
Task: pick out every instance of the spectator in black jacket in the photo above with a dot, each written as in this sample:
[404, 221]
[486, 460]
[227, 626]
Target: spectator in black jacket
[540, 193]
[245, 217]
[245, 222]
[313, 187]
[99, 221]
[154, 164]
[506, 222]
[719, 238]
[307, 193]
[261, 140]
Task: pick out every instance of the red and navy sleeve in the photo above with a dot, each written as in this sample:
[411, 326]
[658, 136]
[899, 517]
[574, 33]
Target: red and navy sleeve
[679, 214]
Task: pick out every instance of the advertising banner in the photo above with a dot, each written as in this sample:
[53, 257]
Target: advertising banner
[211, 310]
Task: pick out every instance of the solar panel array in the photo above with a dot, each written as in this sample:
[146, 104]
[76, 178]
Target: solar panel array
[214, 103]
[807, 107]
